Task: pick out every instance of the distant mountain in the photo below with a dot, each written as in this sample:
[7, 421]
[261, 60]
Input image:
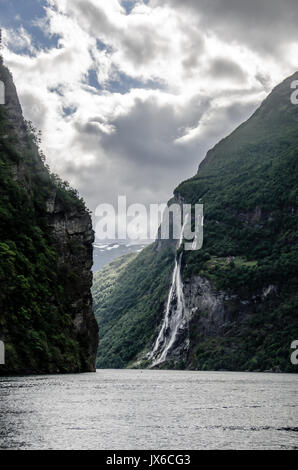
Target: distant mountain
[46, 236]
[239, 297]
[106, 251]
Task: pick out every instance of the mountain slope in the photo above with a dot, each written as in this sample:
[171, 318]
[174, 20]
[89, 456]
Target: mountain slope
[46, 318]
[127, 294]
[240, 289]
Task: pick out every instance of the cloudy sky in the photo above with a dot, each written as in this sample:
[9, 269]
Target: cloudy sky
[130, 95]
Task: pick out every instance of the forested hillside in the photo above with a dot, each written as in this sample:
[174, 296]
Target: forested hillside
[46, 319]
[241, 288]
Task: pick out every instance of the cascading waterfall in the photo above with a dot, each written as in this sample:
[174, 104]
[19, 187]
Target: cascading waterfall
[174, 313]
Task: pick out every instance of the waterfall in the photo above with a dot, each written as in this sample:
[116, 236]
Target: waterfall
[174, 313]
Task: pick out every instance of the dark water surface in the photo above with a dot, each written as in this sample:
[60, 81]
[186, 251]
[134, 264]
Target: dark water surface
[133, 409]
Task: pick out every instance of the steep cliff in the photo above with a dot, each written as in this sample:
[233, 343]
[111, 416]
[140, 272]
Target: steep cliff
[239, 292]
[46, 317]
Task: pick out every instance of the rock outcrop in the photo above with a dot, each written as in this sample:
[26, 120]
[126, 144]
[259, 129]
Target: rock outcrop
[239, 291]
[46, 255]
[73, 237]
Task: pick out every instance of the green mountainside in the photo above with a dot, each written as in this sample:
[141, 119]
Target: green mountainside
[127, 294]
[46, 319]
[242, 286]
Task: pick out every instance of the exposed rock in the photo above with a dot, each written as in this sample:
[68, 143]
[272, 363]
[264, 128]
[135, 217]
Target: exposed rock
[73, 238]
[207, 306]
[70, 233]
[268, 291]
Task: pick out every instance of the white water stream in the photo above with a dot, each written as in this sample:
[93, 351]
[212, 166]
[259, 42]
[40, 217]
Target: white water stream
[174, 313]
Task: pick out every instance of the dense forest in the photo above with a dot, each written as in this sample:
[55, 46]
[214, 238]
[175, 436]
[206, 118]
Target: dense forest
[248, 184]
[38, 275]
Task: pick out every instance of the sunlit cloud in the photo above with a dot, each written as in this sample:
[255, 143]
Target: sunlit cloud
[130, 95]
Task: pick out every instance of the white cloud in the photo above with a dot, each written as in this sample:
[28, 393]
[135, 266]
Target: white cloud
[170, 84]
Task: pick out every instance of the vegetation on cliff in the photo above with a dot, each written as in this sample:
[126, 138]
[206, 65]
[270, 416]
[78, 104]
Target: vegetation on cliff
[248, 185]
[127, 295]
[36, 320]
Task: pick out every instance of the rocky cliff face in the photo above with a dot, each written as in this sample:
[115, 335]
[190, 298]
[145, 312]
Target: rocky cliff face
[211, 314]
[46, 317]
[72, 237]
[237, 303]
[239, 291]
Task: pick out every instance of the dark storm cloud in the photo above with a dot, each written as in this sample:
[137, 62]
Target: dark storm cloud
[263, 24]
[264, 79]
[154, 106]
[147, 135]
[225, 68]
[140, 158]
[97, 20]
[193, 46]
[142, 47]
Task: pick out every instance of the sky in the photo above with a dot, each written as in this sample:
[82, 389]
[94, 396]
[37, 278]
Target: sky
[130, 95]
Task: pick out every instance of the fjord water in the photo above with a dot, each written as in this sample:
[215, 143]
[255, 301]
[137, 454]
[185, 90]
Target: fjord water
[149, 409]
